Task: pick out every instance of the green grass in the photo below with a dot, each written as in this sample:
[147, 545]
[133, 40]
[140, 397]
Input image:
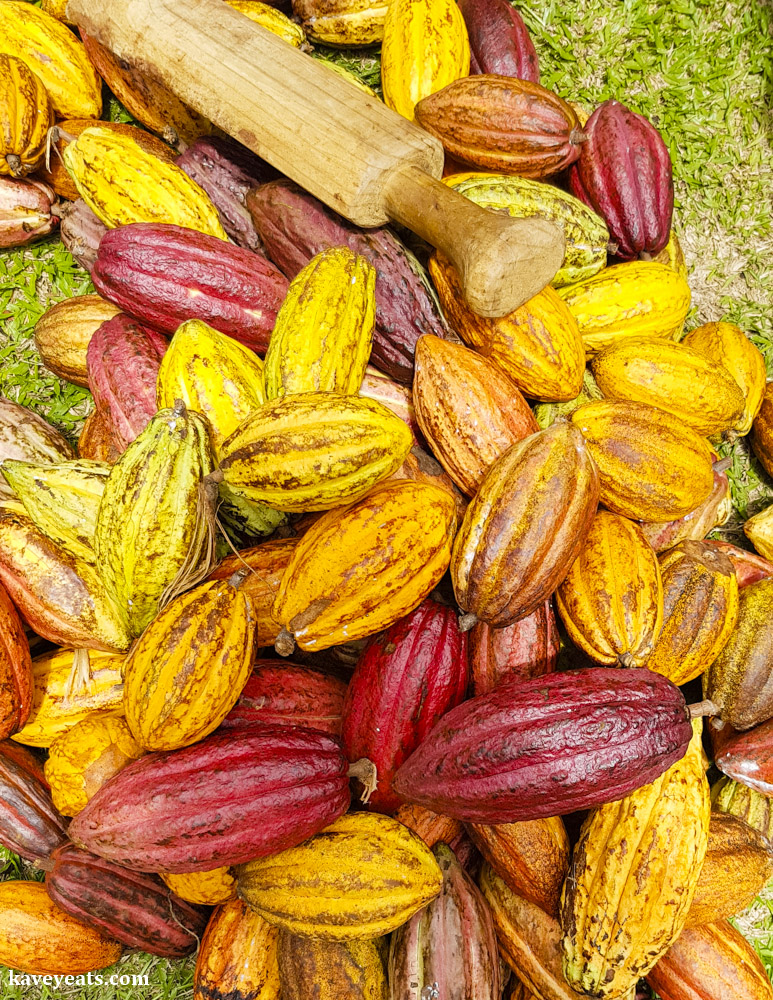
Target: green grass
[701, 70]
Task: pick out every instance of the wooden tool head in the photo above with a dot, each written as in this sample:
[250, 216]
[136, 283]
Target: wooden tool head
[345, 147]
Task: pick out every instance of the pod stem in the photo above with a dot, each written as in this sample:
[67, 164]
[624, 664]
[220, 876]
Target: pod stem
[366, 773]
[701, 709]
[44, 864]
[625, 660]
[14, 164]
[467, 621]
[577, 136]
[285, 644]
[80, 674]
[723, 464]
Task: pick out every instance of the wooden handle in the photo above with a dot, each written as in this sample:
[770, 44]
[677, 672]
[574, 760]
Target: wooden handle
[501, 262]
[343, 146]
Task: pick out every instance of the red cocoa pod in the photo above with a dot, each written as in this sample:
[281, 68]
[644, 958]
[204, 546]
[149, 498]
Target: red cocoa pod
[226, 170]
[294, 227]
[407, 678]
[163, 275]
[82, 232]
[287, 694]
[449, 948]
[504, 125]
[122, 362]
[15, 669]
[746, 756]
[135, 908]
[529, 648]
[29, 824]
[25, 211]
[499, 40]
[749, 567]
[711, 962]
[624, 174]
[229, 799]
[548, 746]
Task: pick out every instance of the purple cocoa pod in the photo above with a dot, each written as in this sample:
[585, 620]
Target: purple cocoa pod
[624, 174]
[25, 211]
[226, 170]
[499, 40]
[82, 232]
[122, 362]
[294, 227]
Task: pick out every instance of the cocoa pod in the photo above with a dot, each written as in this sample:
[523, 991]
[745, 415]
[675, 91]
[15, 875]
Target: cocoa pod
[287, 694]
[26, 437]
[478, 763]
[122, 361]
[406, 679]
[25, 211]
[96, 441]
[695, 525]
[227, 171]
[26, 114]
[145, 98]
[82, 232]
[314, 969]
[136, 909]
[759, 531]
[738, 863]
[238, 956]
[466, 441]
[503, 125]
[739, 680]
[164, 275]
[499, 40]
[762, 431]
[420, 467]
[748, 756]
[754, 808]
[749, 568]
[29, 823]
[525, 649]
[525, 526]
[63, 332]
[295, 227]
[531, 857]
[15, 669]
[428, 952]
[611, 601]
[624, 173]
[395, 397]
[700, 611]
[428, 825]
[713, 962]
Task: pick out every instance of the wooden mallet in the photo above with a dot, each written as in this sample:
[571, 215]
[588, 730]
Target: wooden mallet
[348, 149]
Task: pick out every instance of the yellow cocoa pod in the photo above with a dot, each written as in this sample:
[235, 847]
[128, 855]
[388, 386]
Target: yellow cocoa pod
[726, 344]
[633, 877]
[55, 710]
[651, 466]
[61, 499]
[123, 183]
[762, 431]
[671, 377]
[212, 374]
[332, 969]
[538, 346]
[172, 696]
[672, 255]
[361, 877]
[314, 451]
[271, 19]
[359, 569]
[38, 937]
[754, 808]
[206, 888]
[635, 299]
[343, 23]
[700, 610]
[152, 538]
[81, 760]
[425, 48]
[26, 114]
[611, 602]
[63, 332]
[57, 9]
[324, 330]
[55, 55]
[238, 956]
[759, 531]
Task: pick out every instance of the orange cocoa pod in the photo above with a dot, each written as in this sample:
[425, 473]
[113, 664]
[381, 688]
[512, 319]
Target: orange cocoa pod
[762, 431]
[96, 442]
[430, 826]
[468, 410]
[528, 648]
[15, 669]
[238, 956]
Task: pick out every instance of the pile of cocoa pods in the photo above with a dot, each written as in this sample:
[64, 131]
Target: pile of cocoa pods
[375, 649]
